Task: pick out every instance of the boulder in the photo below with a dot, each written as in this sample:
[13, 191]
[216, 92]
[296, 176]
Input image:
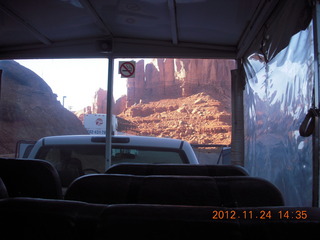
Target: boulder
[29, 109]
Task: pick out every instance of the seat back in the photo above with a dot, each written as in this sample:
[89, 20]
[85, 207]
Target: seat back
[114, 189]
[30, 178]
[176, 190]
[191, 222]
[39, 219]
[237, 191]
[177, 169]
[3, 190]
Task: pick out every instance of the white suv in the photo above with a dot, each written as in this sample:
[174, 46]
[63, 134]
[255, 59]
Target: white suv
[75, 155]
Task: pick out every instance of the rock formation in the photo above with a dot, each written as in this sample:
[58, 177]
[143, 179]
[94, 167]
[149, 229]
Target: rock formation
[100, 101]
[198, 119]
[29, 109]
[173, 78]
[189, 99]
[99, 105]
[120, 105]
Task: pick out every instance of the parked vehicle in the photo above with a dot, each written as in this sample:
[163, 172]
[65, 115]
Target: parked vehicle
[75, 155]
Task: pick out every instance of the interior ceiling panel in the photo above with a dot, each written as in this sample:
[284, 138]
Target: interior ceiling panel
[199, 19]
[10, 28]
[56, 20]
[36, 28]
[136, 19]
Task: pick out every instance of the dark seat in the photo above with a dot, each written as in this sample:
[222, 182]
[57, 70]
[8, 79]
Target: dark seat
[3, 190]
[38, 219]
[176, 190]
[30, 178]
[151, 221]
[247, 191]
[190, 222]
[177, 169]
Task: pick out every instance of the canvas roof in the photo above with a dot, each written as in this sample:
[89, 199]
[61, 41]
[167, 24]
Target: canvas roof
[139, 28]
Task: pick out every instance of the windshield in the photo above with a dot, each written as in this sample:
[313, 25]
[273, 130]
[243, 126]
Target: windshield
[186, 99]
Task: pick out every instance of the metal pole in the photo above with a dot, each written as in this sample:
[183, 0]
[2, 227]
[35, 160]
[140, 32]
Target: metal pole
[237, 145]
[315, 137]
[109, 113]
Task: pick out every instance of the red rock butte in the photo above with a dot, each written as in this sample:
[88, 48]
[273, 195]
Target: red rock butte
[189, 99]
[174, 78]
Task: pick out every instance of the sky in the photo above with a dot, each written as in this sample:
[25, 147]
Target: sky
[77, 79]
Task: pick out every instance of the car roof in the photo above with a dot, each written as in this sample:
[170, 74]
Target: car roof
[116, 140]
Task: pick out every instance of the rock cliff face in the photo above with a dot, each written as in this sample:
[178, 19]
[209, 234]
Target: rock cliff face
[174, 78]
[29, 109]
[100, 101]
[189, 99]
[99, 105]
[198, 119]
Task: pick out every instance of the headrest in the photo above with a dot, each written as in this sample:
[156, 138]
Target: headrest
[176, 190]
[112, 189]
[30, 178]
[3, 190]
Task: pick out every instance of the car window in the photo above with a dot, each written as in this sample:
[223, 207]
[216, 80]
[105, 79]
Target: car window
[145, 155]
[84, 157]
[93, 156]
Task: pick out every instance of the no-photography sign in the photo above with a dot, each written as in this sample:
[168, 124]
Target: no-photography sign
[127, 69]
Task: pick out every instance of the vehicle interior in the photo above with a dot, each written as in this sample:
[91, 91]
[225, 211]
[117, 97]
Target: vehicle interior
[270, 189]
